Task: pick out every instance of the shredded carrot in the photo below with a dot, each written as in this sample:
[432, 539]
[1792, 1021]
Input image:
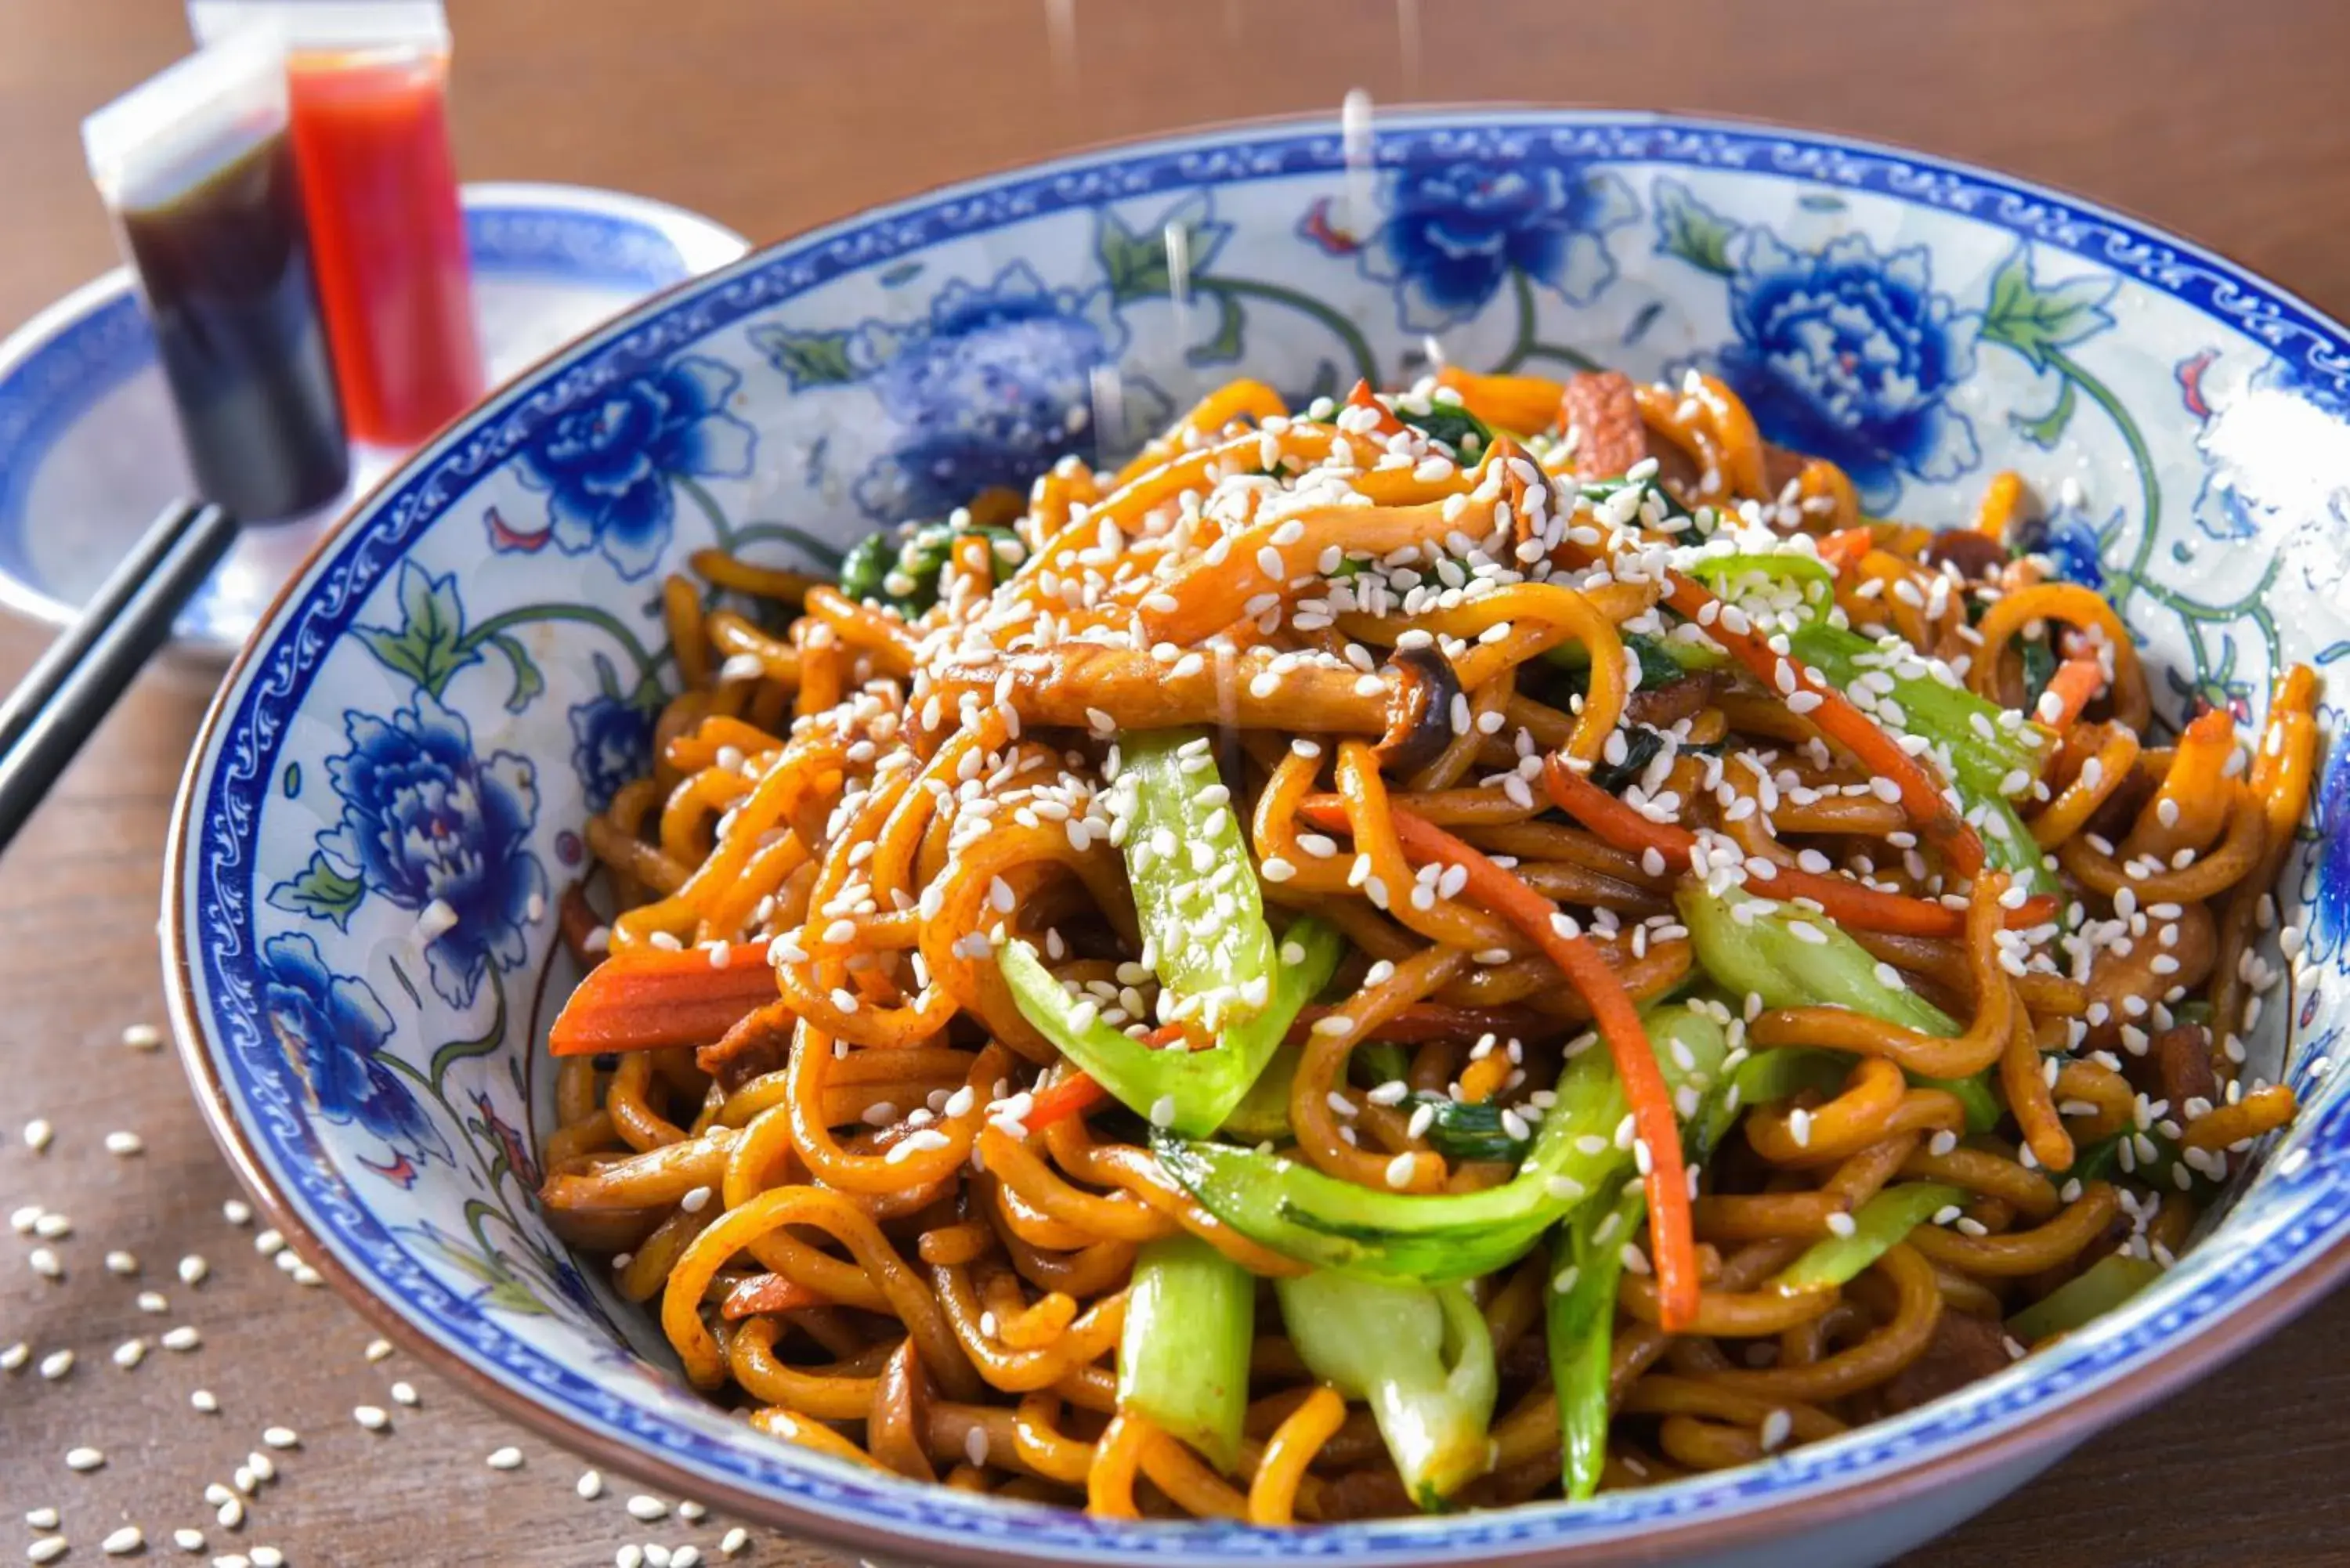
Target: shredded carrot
[1843, 549]
[1670, 1235]
[1840, 722]
[1845, 901]
[1066, 1096]
[652, 999]
[1483, 1079]
[2075, 686]
[1362, 398]
[1998, 503]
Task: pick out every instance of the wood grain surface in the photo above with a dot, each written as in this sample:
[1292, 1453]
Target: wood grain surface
[771, 116]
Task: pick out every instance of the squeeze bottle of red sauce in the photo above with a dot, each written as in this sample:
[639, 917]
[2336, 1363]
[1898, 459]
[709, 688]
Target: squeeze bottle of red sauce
[367, 92]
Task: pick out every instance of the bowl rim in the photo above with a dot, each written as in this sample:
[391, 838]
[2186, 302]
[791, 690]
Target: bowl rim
[2175, 1358]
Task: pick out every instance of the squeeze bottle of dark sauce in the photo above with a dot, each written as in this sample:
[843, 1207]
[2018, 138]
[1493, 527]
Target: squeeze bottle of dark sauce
[367, 85]
[196, 167]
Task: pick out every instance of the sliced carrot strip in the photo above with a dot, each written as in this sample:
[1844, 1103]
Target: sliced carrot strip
[650, 999]
[1670, 1235]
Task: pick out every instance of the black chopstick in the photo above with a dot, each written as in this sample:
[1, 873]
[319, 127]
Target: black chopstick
[78, 678]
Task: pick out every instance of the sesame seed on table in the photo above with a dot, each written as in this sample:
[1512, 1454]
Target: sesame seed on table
[181, 1394]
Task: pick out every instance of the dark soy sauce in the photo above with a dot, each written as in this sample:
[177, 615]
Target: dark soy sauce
[223, 262]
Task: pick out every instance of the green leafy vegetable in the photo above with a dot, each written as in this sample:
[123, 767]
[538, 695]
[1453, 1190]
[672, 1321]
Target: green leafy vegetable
[1419, 1354]
[1183, 1353]
[1878, 1225]
[1195, 892]
[2095, 1291]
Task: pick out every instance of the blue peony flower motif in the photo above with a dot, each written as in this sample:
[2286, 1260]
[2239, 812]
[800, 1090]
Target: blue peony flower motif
[2070, 542]
[608, 468]
[427, 822]
[1455, 231]
[994, 386]
[332, 1029]
[611, 746]
[2328, 890]
[1852, 356]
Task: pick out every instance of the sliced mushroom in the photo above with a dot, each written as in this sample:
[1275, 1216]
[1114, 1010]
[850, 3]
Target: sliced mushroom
[900, 1416]
[1420, 710]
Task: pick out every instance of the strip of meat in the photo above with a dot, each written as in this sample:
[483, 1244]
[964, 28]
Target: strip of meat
[1964, 1349]
[1604, 415]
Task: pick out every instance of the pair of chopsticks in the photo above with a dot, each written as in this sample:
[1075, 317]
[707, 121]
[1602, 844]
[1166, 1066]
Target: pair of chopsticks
[76, 682]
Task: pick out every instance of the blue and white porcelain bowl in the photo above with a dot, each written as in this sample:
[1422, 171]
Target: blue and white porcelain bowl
[480, 645]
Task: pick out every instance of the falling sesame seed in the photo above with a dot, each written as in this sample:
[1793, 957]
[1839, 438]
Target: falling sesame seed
[646, 1510]
[123, 1542]
[238, 1211]
[374, 1418]
[304, 1274]
[125, 1144]
[1777, 1426]
[182, 1338]
[281, 1437]
[193, 1270]
[204, 1399]
[734, 1541]
[691, 1512]
[591, 1485]
[48, 1549]
[152, 1302]
[38, 1133]
[507, 1459]
[377, 1349]
[22, 1220]
[268, 1557]
[404, 1393]
[629, 1556]
[130, 1354]
[84, 1458]
[123, 1264]
[53, 1226]
[686, 1557]
[45, 1264]
[15, 1357]
[188, 1540]
[268, 1243]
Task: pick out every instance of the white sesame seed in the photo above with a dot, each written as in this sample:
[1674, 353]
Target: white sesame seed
[183, 1338]
[268, 1557]
[1398, 1171]
[57, 1364]
[193, 1270]
[13, 1356]
[688, 1556]
[188, 1540]
[591, 1485]
[629, 1556]
[123, 1542]
[130, 1354]
[123, 1264]
[238, 1211]
[84, 1458]
[1842, 1224]
[691, 1512]
[231, 1512]
[48, 1549]
[377, 1349]
[44, 1260]
[645, 1510]
[125, 1144]
[734, 1541]
[507, 1459]
[38, 1133]
[695, 1200]
[281, 1437]
[152, 1302]
[1777, 1426]
[404, 1393]
[204, 1399]
[374, 1418]
[268, 1243]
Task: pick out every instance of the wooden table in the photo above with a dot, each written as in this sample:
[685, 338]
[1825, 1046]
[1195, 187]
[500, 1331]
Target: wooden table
[770, 116]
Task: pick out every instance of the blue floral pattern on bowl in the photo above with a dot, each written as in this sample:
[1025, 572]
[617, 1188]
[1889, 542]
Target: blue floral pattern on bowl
[1457, 230]
[609, 471]
[439, 705]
